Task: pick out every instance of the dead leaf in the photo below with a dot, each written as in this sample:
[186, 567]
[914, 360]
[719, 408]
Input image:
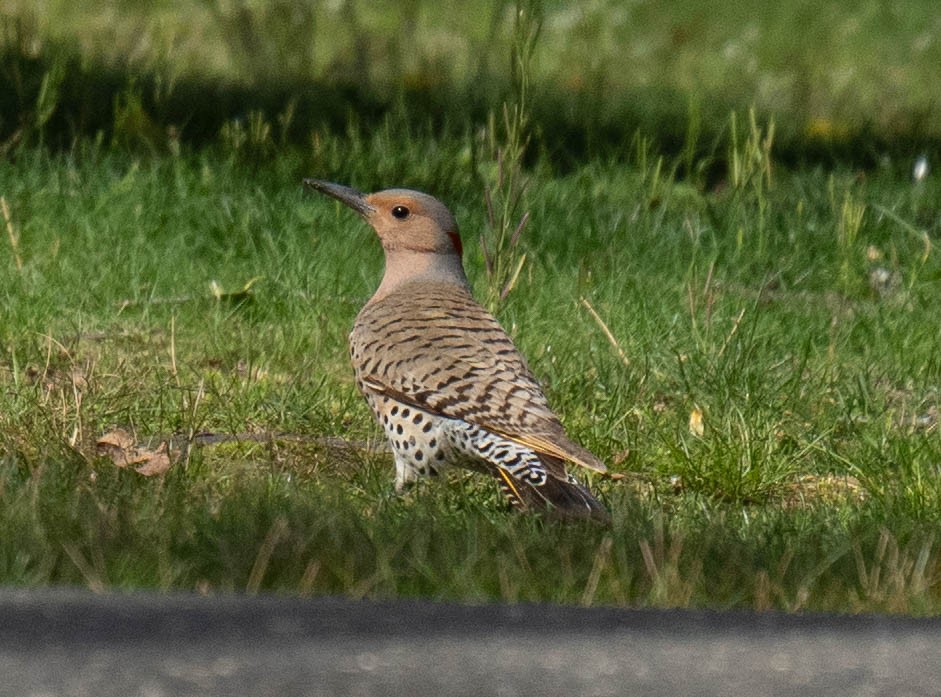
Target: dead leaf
[156, 462]
[220, 294]
[120, 447]
[695, 422]
[115, 444]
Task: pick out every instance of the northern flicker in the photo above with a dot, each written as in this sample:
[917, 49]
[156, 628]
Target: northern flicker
[442, 377]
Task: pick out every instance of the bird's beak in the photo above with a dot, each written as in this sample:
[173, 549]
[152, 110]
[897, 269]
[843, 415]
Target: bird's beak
[344, 194]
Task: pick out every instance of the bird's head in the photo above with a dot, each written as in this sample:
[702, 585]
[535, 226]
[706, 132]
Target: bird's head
[405, 220]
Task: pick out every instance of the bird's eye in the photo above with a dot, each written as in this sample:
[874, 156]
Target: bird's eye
[400, 212]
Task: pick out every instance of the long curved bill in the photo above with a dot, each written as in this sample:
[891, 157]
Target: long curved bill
[344, 194]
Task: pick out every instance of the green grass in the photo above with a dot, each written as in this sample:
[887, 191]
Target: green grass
[754, 347]
[814, 483]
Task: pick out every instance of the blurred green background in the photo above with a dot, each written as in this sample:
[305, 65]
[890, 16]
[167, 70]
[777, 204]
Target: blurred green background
[843, 80]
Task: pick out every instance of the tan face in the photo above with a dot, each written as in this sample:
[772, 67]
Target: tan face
[414, 221]
[404, 219]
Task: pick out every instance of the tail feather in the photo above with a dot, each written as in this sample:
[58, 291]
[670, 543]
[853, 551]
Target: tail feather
[565, 499]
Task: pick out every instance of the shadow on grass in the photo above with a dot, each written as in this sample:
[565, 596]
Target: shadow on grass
[55, 98]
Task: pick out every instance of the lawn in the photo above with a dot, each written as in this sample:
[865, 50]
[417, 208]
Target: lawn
[753, 346]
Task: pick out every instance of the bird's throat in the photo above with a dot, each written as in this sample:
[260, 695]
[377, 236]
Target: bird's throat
[407, 267]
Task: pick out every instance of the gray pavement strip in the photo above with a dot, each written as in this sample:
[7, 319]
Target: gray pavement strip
[72, 642]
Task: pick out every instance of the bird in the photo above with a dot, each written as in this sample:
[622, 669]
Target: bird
[441, 376]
